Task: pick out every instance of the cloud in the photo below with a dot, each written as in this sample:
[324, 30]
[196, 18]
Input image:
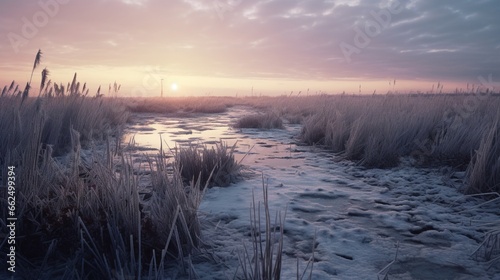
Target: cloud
[135, 2]
[445, 40]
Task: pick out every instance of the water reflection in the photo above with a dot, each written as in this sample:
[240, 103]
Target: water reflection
[275, 148]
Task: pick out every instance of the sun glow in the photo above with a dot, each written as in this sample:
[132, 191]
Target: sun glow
[174, 87]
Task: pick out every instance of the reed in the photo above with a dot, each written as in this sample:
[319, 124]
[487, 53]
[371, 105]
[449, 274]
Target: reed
[38, 59]
[265, 262]
[191, 105]
[92, 212]
[82, 217]
[369, 129]
[377, 131]
[268, 120]
[483, 173]
[215, 165]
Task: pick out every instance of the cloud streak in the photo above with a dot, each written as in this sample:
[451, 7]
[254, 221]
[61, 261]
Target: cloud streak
[291, 39]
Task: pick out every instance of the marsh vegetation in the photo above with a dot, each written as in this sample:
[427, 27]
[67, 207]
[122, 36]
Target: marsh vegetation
[82, 213]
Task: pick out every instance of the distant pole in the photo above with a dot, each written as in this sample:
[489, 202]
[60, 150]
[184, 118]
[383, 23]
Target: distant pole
[161, 87]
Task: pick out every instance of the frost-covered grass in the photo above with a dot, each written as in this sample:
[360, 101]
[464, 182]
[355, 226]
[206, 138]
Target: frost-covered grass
[94, 118]
[484, 169]
[377, 131]
[265, 260]
[92, 213]
[263, 121]
[80, 215]
[359, 215]
[214, 165]
[84, 216]
[209, 105]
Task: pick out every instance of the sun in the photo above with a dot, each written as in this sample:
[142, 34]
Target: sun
[174, 87]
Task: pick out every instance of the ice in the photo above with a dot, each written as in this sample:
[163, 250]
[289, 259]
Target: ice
[356, 215]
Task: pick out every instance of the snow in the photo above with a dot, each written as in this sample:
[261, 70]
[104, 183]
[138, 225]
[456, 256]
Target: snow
[357, 216]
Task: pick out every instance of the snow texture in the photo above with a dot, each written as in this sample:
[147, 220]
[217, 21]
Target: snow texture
[358, 216]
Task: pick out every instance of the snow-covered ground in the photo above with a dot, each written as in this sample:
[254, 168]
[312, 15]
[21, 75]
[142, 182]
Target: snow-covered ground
[359, 217]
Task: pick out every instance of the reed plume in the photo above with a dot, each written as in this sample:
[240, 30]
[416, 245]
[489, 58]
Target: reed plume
[45, 74]
[73, 86]
[12, 85]
[26, 92]
[38, 59]
[98, 92]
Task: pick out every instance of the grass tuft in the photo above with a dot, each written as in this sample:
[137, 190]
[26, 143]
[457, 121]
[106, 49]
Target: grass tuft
[80, 216]
[266, 259]
[263, 121]
[214, 166]
[377, 131]
[483, 173]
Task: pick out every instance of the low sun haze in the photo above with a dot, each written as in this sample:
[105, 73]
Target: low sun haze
[230, 47]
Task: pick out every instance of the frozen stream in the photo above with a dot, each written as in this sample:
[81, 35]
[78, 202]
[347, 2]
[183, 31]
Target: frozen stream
[359, 215]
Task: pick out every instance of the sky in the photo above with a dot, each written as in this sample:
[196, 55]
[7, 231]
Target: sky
[244, 47]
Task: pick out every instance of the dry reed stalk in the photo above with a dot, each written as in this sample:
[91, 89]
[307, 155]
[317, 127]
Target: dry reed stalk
[483, 174]
[266, 260]
[269, 120]
[211, 166]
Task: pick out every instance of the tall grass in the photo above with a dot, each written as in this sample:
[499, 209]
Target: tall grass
[87, 218]
[169, 198]
[484, 170]
[46, 192]
[377, 131]
[99, 221]
[90, 212]
[37, 61]
[207, 105]
[215, 165]
[266, 260]
[93, 118]
[263, 121]
[81, 217]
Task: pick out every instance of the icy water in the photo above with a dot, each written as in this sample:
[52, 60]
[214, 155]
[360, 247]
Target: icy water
[359, 217]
